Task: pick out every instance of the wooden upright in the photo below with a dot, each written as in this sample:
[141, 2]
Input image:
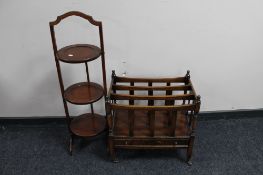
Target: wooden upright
[82, 93]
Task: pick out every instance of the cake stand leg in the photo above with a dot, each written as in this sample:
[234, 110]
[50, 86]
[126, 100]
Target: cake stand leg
[71, 142]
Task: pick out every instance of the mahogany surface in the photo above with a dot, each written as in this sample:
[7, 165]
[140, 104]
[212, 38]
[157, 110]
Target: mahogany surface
[152, 113]
[78, 53]
[83, 93]
[142, 127]
[87, 125]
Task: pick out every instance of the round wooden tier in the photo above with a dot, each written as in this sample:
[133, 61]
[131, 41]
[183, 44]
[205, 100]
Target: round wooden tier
[78, 53]
[88, 125]
[83, 93]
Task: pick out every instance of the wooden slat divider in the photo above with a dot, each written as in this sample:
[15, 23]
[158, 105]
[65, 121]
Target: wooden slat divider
[151, 113]
[146, 88]
[156, 97]
[131, 122]
[169, 102]
[152, 122]
[173, 115]
[131, 102]
[150, 108]
[131, 113]
[169, 92]
[113, 82]
[185, 92]
[150, 93]
[147, 80]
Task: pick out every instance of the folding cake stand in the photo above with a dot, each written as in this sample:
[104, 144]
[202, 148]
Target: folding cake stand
[82, 93]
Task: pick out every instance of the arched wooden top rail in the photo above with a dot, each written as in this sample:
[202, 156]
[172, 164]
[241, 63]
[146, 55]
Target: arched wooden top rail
[75, 13]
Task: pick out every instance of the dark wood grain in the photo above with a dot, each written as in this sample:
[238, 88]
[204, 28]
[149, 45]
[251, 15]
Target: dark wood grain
[148, 80]
[141, 123]
[88, 125]
[78, 53]
[83, 93]
[152, 108]
[146, 88]
[151, 97]
[152, 125]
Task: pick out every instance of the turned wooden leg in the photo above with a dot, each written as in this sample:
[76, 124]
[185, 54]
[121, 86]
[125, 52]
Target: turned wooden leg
[189, 151]
[71, 142]
[112, 150]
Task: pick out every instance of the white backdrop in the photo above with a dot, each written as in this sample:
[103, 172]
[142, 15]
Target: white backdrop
[219, 41]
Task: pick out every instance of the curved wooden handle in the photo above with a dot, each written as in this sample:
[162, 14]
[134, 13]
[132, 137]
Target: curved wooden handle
[75, 13]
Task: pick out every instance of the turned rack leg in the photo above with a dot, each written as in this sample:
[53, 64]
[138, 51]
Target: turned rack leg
[112, 151]
[190, 151]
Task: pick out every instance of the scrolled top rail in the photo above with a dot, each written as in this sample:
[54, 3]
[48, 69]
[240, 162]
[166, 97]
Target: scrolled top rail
[75, 13]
